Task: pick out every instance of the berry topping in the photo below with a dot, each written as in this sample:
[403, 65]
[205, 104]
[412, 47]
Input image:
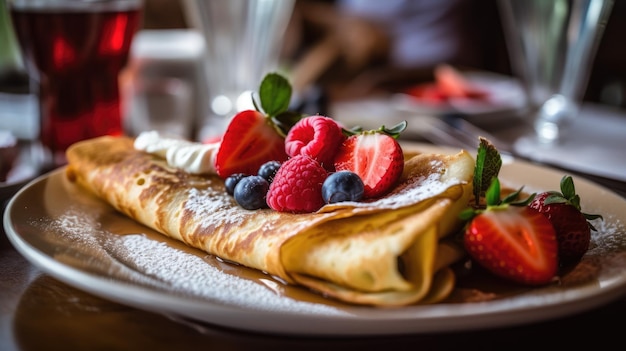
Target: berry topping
[375, 156]
[249, 141]
[505, 236]
[268, 170]
[250, 192]
[573, 231]
[511, 240]
[342, 186]
[297, 186]
[254, 137]
[231, 181]
[317, 137]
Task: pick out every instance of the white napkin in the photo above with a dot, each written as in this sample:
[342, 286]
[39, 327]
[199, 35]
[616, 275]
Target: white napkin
[594, 144]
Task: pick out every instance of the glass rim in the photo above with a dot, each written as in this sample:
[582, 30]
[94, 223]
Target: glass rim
[73, 5]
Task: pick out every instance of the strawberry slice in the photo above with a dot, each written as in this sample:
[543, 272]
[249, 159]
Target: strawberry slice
[516, 243]
[249, 141]
[375, 156]
[511, 240]
[254, 137]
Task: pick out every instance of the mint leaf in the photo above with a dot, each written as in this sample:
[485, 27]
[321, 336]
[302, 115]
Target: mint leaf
[488, 164]
[275, 94]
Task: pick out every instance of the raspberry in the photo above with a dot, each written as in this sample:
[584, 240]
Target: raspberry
[316, 136]
[297, 186]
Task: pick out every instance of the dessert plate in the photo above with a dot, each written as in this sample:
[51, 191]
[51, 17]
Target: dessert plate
[83, 242]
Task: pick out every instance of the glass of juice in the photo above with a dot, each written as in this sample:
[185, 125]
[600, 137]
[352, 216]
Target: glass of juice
[74, 51]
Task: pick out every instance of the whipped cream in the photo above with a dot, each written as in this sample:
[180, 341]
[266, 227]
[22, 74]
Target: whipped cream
[191, 157]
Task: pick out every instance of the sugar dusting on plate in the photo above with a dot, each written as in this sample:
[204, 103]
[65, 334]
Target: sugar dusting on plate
[137, 259]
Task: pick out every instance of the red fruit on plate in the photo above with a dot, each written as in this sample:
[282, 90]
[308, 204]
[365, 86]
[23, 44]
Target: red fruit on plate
[453, 85]
[249, 141]
[297, 186]
[375, 156]
[317, 137]
[516, 243]
[253, 138]
[428, 93]
[573, 231]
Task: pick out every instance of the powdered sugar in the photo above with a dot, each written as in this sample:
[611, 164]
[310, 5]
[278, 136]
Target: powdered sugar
[409, 192]
[139, 260]
[610, 235]
[209, 204]
[190, 275]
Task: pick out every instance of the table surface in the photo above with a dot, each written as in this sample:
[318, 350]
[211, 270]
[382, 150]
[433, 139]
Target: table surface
[38, 312]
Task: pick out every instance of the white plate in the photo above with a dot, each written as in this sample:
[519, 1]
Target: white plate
[81, 241]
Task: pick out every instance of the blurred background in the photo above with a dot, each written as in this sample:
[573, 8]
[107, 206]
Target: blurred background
[470, 29]
[387, 44]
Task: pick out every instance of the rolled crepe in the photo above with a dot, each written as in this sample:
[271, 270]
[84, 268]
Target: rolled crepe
[390, 251]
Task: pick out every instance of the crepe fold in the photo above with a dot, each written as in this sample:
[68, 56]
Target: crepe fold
[391, 251]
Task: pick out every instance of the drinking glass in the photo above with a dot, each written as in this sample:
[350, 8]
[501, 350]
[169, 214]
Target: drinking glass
[243, 43]
[162, 104]
[552, 45]
[74, 51]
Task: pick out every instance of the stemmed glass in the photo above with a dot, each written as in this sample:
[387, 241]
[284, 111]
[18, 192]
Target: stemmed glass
[552, 45]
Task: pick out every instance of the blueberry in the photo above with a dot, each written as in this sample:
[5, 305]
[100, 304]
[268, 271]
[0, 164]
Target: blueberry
[268, 170]
[231, 181]
[250, 192]
[342, 186]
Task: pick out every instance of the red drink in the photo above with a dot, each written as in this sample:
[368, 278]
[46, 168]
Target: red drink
[76, 56]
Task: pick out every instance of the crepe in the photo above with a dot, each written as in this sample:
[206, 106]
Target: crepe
[391, 251]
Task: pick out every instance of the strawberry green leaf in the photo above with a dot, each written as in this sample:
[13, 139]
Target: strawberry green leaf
[285, 120]
[524, 202]
[567, 187]
[275, 94]
[512, 196]
[394, 131]
[492, 195]
[468, 213]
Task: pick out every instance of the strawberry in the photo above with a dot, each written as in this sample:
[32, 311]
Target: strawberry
[573, 231]
[511, 240]
[375, 156]
[253, 138]
[249, 141]
[315, 136]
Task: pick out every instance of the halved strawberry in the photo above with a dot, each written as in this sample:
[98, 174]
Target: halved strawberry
[252, 137]
[249, 141]
[516, 243]
[375, 156]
